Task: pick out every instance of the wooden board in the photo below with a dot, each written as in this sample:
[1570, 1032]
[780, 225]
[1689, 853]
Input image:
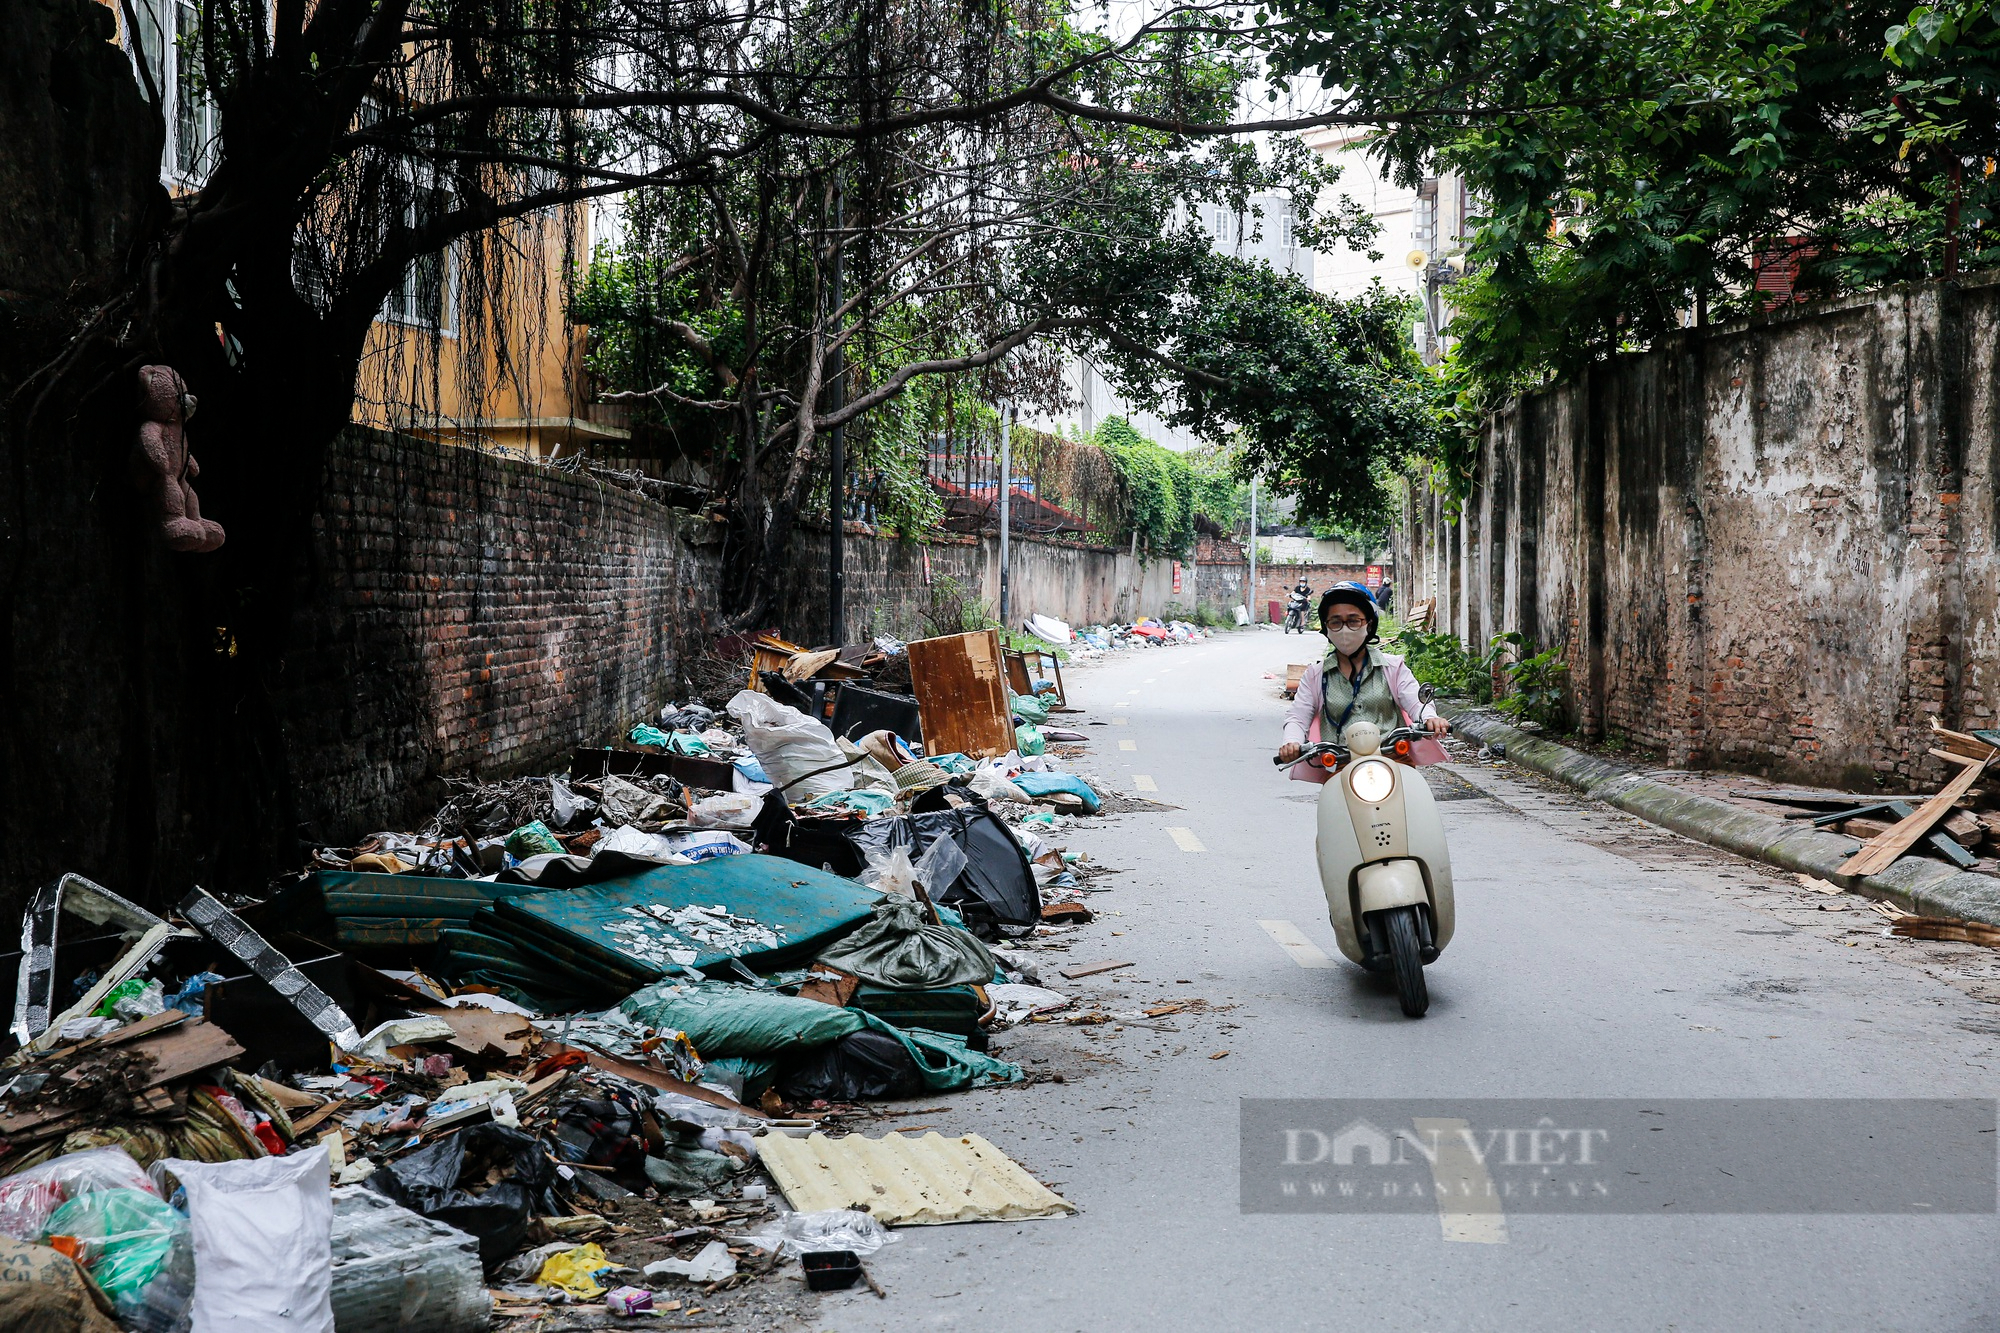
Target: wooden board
[1017, 672]
[1881, 853]
[962, 694]
[769, 653]
[486, 1033]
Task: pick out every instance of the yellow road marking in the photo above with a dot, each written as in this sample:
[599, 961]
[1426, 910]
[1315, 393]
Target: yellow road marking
[1294, 942]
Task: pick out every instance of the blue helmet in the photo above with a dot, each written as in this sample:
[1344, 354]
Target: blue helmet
[1354, 594]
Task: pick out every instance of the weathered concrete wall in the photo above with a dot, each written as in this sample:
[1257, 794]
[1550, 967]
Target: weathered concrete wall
[1763, 547]
[891, 585]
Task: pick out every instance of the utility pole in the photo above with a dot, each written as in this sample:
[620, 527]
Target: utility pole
[1006, 506]
[1253, 551]
[836, 542]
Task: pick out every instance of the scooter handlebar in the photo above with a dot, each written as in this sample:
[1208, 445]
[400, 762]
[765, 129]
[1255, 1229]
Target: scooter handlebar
[1320, 749]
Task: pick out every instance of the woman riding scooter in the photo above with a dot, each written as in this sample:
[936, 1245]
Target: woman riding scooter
[1356, 720]
[1357, 682]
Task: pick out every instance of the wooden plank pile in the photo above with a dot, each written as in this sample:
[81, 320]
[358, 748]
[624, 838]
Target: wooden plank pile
[1949, 824]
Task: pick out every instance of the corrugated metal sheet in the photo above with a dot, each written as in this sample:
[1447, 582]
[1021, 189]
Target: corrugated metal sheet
[907, 1181]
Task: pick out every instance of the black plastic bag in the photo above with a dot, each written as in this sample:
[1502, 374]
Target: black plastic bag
[427, 1182]
[997, 886]
[861, 1066]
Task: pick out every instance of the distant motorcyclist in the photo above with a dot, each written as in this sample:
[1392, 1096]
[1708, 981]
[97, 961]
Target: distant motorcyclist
[1295, 608]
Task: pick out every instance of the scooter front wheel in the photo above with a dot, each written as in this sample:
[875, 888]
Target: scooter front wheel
[1406, 961]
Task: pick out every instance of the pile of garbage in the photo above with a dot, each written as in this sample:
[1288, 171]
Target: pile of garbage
[1096, 640]
[571, 1040]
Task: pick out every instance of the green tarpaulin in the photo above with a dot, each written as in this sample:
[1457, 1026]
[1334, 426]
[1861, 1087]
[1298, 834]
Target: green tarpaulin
[765, 910]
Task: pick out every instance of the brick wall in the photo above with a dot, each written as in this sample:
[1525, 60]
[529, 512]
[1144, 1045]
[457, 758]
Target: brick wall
[1275, 583]
[465, 613]
[1767, 548]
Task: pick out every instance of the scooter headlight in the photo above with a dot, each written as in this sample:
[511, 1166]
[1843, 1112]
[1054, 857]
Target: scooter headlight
[1372, 781]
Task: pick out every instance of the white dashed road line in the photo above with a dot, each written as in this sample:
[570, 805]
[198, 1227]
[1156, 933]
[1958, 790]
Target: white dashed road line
[1468, 1204]
[1185, 840]
[1128, 745]
[1294, 942]
[1142, 782]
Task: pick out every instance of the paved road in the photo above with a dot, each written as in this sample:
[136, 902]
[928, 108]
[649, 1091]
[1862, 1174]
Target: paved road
[1595, 957]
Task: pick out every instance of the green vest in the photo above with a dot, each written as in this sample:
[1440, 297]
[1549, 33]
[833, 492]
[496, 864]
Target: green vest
[1370, 695]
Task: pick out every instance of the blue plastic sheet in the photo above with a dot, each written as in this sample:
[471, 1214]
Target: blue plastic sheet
[1047, 784]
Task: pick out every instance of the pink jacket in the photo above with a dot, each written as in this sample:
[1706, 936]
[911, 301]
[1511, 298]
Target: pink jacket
[1302, 719]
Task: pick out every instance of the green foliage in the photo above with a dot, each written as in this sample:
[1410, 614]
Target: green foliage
[1537, 682]
[1631, 165]
[1441, 662]
[954, 608]
[1207, 617]
[1164, 490]
[1322, 394]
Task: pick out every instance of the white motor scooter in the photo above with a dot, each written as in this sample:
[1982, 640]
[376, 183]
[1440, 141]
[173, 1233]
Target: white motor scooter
[1382, 857]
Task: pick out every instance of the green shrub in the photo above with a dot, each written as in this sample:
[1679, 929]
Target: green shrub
[1441, 662]
[954, 608]
[1537, 682]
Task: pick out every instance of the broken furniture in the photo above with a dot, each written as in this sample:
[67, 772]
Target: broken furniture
[962, 694]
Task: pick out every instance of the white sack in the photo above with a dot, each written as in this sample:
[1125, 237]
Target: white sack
[263, 1243]
[788, 744]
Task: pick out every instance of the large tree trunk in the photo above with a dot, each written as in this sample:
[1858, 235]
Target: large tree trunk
[140, 746]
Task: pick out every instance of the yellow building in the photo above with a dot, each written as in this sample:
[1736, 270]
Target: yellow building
[523, 390]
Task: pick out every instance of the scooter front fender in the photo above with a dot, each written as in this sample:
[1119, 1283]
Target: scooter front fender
[1385, 884]
[1421, 856]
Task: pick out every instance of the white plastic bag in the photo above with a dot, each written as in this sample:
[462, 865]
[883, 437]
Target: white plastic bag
[263, 1243]
[788, 744]
[835, 1229]
[645, 846]
[891, 872]
[724, 811]
[712, 1264]
[940, 866]
[989, 784]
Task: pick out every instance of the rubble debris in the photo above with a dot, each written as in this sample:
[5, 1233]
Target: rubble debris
[1946, 928]
[557, 1029]
[393, 1270]
[93, 905]
[247, 946]
[1881, 852]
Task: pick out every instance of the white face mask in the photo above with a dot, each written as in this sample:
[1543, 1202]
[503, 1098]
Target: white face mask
[1349, 641]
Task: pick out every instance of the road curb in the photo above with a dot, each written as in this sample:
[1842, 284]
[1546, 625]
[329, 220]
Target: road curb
[1914, 883]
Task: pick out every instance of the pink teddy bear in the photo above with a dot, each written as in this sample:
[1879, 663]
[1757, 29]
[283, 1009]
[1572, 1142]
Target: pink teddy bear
[162, 465]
